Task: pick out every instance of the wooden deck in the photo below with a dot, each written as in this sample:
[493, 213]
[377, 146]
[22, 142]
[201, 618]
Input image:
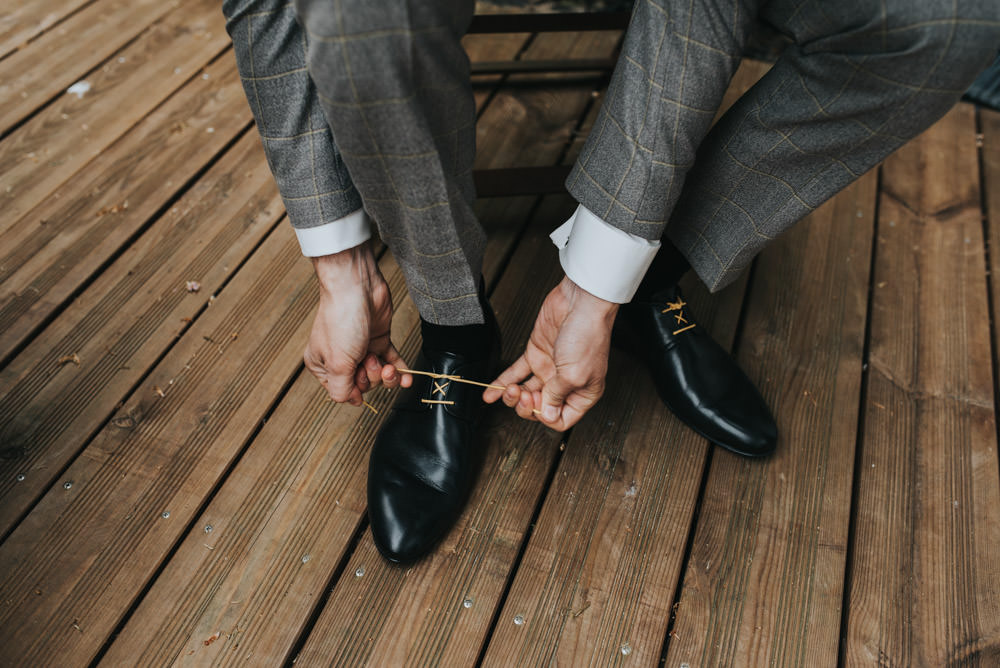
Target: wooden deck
[174, 488]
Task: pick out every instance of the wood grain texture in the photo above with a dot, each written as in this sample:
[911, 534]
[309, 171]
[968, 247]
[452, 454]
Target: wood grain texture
[45, 68]
[22, 22]
[266, 545]
[124, 322]
[416, 616]
[56, 142]
[59, 245]
[925, 586]
[426, 622]
[597, 580]
[989, 126]
[601, 569]
[76, 563]
[301, 484]
[763, 585]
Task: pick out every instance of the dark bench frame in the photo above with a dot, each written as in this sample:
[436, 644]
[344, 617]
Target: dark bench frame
[513, 181]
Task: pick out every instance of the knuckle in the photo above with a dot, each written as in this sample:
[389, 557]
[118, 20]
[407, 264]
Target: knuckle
[576, 377]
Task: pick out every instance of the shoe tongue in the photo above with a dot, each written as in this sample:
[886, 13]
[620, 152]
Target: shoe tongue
[670, 294]
[662, 296]
[443, 362]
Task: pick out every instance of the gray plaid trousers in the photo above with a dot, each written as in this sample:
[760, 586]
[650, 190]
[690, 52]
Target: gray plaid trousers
[369, 103]
[391, 82]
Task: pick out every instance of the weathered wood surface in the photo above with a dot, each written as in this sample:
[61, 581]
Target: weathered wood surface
[45, 68]
[379, 614]
[192, 589]
[65, 135]
[67, 383]
[59, 245]
[21, 22]
[764, 581]
[596, 583]
[925, 581]
[190, 496]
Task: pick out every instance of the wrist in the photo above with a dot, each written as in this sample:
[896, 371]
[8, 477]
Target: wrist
[590, 302]
[351, 266]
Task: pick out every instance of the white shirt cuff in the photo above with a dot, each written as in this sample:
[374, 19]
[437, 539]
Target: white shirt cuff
[606, 262]
[347, 232]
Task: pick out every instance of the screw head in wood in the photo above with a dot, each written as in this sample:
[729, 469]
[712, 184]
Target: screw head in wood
[519, 620]
[467, 603]
[68, 484]
[165, 514]
[361, 571]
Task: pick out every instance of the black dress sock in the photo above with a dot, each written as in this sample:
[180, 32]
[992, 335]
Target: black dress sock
[470, 340]
[668, 267]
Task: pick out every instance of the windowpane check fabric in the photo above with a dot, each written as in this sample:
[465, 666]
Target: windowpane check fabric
[363, 103]
[387, 86]
[861, 78]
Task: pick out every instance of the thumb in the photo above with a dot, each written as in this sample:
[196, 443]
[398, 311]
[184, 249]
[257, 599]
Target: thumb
[554, 394]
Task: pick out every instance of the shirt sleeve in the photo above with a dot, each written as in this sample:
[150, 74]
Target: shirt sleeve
[347, 232]
[606, 262]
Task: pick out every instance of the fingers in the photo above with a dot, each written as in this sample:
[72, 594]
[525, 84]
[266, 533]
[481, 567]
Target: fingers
[390, 376]
[510, 377]
[553, 397]
[369, 372]
[525, 407]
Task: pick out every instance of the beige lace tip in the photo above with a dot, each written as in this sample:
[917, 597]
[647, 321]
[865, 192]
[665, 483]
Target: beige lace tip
[371, 408]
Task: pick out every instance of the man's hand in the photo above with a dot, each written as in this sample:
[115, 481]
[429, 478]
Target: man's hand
[349, 350]
[566, 359]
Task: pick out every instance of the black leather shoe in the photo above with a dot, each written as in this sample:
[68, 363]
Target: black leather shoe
[697, 380]
[427, 455]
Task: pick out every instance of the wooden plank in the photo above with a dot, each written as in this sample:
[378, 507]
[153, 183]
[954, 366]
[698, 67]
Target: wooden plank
[301, 487]
[925, 584]
[421, 617]
[764, 582]
[76, 563]
[42, 70]
[24, 21]
[59, 245]
[600, 570]
[596, 582]
[380, 614]
[989, 122]
[55, 143]
[263, 550]
[123, 323]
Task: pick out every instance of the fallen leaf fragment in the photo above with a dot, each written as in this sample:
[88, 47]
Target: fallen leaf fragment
[117, 208]
[212, 638]
[66, 359]
[157, 390]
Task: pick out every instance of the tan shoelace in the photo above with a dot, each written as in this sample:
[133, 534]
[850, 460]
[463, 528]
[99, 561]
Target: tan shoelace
[678, 306]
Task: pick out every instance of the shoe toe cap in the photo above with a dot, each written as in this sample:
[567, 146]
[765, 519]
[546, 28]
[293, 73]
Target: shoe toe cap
[408, 520]
[748, 430]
